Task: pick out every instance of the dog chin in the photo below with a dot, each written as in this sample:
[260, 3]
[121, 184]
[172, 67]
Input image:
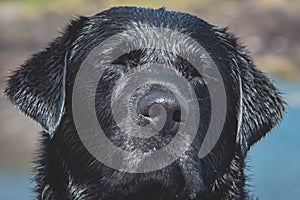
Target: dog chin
[168, 183]
[171, 182]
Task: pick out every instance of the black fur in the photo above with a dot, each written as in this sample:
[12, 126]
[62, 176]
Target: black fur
[42, 89]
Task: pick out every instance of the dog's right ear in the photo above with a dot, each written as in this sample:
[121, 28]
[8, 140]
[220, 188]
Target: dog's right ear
[37, 88]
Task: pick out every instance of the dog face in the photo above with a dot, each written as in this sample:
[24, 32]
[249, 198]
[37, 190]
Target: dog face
[43, 88]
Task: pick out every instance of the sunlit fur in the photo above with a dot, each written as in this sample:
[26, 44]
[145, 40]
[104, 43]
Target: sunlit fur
[42, 89]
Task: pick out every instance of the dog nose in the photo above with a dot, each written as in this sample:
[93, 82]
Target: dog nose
[164, 100]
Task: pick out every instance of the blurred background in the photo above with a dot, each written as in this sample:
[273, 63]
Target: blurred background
[269, 28]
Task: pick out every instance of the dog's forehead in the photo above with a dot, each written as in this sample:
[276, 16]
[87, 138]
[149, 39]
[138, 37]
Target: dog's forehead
[140, 21]
[163, 38]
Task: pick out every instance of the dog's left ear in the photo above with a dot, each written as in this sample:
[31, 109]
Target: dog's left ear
[261, 106]
[37, 88]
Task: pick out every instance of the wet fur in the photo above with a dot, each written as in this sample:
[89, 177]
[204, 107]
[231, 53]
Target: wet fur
[42, 89]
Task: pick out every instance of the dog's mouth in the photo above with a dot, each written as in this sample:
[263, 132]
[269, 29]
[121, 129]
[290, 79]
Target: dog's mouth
[172, 182]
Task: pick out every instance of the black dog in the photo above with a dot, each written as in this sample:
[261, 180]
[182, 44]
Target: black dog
[42, 88]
